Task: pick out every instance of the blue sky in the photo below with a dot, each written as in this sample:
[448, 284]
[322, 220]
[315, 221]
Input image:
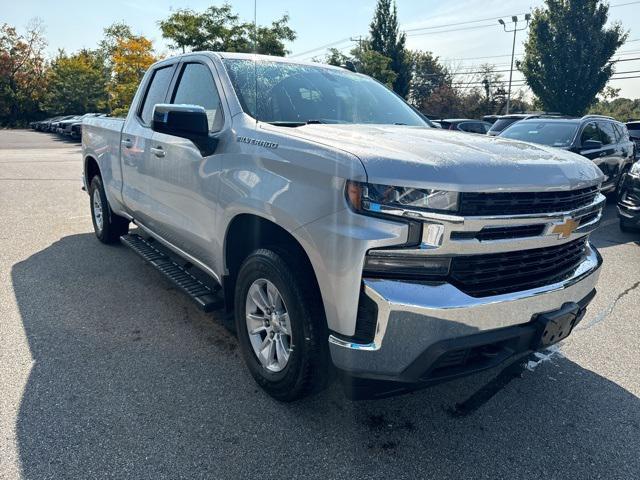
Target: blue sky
[73, 24]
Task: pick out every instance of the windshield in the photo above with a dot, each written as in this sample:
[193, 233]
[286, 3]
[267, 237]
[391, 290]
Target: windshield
[294, 94]
[553, 134]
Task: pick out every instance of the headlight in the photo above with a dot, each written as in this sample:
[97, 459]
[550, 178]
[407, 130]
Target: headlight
[376, 198]
[635, 169]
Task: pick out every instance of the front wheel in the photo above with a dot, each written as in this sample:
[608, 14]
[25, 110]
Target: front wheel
[281, 325]
[107, 226]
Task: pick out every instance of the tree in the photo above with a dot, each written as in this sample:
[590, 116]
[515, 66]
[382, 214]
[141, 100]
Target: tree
[219, 29]
[427, 75]
[336, 57]
[387, 40]
[130, 59]
[22, 73]
[77, 83]
[567, 59]
[623, 109]
[374, 64]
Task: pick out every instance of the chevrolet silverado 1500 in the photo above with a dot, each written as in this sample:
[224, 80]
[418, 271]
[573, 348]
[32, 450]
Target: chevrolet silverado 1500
[338, 228]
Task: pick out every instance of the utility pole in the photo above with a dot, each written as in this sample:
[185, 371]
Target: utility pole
[514, 19]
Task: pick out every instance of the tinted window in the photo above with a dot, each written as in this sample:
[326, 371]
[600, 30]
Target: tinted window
[196, 87]
[553, 134]
[502, 123]
[590, 132]
[156, 92]
[473, 127]
[634, 129]
[607, 134]
[293, 94]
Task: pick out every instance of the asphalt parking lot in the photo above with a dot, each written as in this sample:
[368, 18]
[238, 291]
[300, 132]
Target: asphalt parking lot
[107, 372]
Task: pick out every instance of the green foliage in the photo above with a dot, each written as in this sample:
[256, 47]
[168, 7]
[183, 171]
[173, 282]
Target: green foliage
[219, 29]
[374, 64]
[568, 53]
[386, 39]
[427, 75]
[623, 109]
[77, 83]
[22, 74]
[336, 57]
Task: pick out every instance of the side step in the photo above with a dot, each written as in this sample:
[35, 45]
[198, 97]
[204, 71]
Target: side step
[205, 296]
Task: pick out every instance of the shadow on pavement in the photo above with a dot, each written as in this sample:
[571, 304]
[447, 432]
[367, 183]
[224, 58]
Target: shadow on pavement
[129, 380]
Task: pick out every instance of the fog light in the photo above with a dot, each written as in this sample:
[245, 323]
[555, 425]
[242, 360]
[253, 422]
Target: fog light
[380, 263]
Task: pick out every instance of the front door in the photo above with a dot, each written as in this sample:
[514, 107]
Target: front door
[185, 183]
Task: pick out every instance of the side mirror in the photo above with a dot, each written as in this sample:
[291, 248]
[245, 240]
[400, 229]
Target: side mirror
[591, 145]
[185, 121]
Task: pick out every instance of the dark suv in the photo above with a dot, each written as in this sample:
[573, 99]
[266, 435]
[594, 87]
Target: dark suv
[601, 139]
[634, 134]
[504, 121]
[464, 125]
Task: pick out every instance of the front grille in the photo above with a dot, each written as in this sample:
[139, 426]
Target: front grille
[518, 203]
[501, 233]
[500, 273]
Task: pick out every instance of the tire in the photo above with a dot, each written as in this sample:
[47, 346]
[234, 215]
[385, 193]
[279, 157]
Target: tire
[107, 226]
[628, 227]
[307, 367]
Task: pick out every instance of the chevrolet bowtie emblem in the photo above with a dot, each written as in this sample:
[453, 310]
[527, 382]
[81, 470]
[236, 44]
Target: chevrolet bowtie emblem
[566, 228]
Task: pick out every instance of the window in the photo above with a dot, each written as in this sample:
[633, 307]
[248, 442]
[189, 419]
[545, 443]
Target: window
[554, 134]
[292, 95]
[473, 127]
[156, 92]
[607, 134]
[590, 132]
[196, 87]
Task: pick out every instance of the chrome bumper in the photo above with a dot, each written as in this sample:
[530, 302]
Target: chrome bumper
[414, 316]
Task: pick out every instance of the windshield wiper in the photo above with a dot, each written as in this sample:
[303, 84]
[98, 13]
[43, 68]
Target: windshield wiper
[287, 124]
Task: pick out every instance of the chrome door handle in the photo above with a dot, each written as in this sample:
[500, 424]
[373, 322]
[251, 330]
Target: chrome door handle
[158, 151]
[127, 143]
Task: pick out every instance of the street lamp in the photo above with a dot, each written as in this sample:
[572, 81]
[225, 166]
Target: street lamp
[514, 20]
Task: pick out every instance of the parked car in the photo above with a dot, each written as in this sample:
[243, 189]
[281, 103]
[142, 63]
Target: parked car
[629, 200]
[52, 126]
[44, 125]
[503, 121]
[490, 118]
[634, 133]
[357, 236]
[66, 127]
[464, 125]
[603, 140]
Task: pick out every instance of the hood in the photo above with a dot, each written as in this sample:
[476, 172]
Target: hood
[449, 160]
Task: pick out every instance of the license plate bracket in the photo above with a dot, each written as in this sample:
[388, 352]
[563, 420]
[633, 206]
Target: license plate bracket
[557, 325]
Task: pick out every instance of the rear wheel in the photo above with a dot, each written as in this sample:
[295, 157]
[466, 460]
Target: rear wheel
[107, 226]
[281, 325]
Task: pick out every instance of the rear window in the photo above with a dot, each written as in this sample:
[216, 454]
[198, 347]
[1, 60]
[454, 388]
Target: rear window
[156, 92]
[634, 129]
[545, 133]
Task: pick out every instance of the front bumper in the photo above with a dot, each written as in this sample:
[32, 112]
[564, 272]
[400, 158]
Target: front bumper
[413, 318]
[629, 201]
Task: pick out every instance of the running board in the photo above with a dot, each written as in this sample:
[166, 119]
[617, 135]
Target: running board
[205, 296]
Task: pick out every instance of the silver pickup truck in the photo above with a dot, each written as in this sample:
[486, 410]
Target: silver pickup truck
[340, 231]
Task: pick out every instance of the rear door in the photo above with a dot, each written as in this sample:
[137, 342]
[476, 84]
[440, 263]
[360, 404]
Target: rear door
[138, 163]
[186, 184]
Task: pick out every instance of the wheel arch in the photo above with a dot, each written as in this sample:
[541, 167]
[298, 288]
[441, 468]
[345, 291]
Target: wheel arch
[246, 232]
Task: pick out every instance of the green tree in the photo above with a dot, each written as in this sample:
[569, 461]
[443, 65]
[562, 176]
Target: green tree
[220, 29]
[22, 73]
[374, 64]
[386, 39]
[336, 57]
[427, 75]
[77, 83]
[567, 59]
[623, 109]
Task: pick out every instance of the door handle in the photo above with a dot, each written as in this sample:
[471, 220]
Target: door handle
[127, 143]
[158, 151]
